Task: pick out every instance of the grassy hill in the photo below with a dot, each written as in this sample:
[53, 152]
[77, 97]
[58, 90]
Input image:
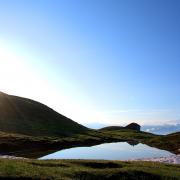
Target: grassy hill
[28, 117]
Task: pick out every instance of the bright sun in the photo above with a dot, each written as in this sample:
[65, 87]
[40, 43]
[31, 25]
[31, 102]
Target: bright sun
[19, 78]
[10, 67]
[16, 77]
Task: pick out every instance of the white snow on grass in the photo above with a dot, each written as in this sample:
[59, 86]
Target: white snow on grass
[173, 159]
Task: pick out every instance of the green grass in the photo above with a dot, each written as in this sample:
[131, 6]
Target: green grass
[86, 170]
[169, 142]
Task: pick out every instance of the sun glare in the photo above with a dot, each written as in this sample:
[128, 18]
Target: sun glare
[18, 78]
[11, 68]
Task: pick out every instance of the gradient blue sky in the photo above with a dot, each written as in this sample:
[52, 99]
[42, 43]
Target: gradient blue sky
[105, 61]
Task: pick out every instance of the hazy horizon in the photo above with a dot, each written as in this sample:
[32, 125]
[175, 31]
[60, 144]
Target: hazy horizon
[94, 61]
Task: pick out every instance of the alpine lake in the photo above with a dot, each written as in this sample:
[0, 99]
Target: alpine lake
[109, 151]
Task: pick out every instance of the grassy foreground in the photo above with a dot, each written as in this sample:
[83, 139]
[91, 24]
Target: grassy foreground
[86, 170]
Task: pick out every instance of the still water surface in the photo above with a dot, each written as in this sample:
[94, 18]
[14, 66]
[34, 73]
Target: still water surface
[109, 151]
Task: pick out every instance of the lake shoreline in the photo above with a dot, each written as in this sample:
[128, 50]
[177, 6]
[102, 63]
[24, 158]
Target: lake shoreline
[36, 147]
[109, 151]
[173, 159]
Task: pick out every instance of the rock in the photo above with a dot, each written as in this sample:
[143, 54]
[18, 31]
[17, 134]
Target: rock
[133, 126]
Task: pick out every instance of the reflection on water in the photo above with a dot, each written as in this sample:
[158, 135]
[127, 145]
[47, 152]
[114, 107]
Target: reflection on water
[109, 151]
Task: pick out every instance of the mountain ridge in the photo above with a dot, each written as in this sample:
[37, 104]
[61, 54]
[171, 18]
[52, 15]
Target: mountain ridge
[131, 126]
[29, 117]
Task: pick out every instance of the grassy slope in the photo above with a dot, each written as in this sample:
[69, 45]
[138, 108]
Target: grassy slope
[169, 142]
[25, 116]
[87, 170]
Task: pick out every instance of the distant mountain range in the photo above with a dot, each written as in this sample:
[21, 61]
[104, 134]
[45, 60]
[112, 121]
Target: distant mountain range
[28, 117]
[162, 129]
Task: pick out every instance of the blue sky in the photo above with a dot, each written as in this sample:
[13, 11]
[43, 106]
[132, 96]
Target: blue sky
[111, 62]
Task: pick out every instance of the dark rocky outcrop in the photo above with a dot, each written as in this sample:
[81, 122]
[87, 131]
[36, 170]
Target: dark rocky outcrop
[133, 126]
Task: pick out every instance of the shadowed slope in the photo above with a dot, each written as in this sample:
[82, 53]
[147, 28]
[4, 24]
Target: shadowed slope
[25, 116]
